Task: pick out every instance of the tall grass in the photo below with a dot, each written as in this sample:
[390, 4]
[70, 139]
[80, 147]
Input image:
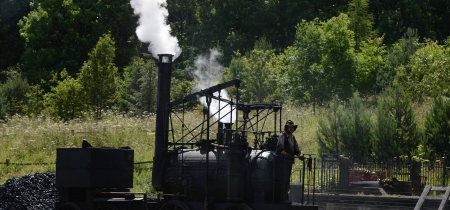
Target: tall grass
[31, 140]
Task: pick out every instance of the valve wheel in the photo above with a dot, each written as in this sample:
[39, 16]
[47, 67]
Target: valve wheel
[174, 205]
[238, 206]
[69, 206]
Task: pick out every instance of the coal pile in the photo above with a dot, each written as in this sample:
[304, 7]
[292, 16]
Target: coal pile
[30, 192]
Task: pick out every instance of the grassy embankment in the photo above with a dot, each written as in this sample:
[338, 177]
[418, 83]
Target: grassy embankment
[31, 140]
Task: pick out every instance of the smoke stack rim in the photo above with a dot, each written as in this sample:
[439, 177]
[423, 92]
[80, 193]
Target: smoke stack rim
[165, 58]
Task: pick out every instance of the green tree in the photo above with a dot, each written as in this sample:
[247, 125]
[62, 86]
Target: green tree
[66, 100]
[369, 61]
[11, 11]
[428, 72]
[322, 61]
[361, 21]
[437, 127]
[328, 134]
[398, 56]
[98, 76]
[60, 33]
[346, 131]
[36, 102]
[139, 86]
[394, 17]
[259, 71]
[356, 130]
[396, 130]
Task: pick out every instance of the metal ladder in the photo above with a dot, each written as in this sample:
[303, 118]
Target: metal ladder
[425, 192]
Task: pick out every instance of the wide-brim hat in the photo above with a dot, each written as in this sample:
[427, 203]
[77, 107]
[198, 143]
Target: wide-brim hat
[290, 123]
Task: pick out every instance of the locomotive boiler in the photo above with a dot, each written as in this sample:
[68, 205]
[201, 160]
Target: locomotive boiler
[224, 161]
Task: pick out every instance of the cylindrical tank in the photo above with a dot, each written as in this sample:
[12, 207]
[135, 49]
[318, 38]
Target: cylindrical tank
[261, 171]
[186, 174]
[188, 177]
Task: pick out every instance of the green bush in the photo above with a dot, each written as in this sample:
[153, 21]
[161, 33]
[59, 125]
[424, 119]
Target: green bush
[36, 103]
[66, 101]
[427, 72]
[15, 90]
[259, 71]
[3, 106]
[322, 61]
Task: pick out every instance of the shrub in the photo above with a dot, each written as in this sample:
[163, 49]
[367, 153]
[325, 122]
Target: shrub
[14, 90]
[3, 106]
[66, 101]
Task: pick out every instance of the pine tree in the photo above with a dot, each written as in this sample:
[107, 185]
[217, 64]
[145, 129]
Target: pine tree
[396, 130]
[437, 126]
[356, 129]
[139, 88]
[328, 135]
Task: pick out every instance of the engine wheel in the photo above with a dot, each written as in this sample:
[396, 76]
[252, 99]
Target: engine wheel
[238, 206]
[69, 206]
[106, 207]
[174, 205]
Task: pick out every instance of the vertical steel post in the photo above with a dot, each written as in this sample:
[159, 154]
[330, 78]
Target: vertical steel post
[303, 183]
[314, 179]
[444, 162]
[275, 123]
[208, 102]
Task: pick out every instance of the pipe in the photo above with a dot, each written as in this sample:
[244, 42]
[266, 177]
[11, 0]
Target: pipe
[228, 133]
[162, 121]
[220, 134]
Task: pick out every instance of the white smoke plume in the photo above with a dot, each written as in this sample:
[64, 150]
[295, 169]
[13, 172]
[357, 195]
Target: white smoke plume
[153, 27]
[207, 73]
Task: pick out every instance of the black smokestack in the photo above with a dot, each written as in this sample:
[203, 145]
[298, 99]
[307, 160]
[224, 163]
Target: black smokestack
[162, 122]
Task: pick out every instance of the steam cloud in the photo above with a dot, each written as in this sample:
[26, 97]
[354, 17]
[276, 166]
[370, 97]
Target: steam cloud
[207, 73]
[153, 27]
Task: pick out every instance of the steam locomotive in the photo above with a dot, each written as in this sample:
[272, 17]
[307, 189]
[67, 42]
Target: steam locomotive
[196, 171]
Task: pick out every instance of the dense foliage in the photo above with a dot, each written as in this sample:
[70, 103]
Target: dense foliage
[72, 59]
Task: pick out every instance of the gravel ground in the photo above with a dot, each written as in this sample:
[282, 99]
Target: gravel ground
[30, 192]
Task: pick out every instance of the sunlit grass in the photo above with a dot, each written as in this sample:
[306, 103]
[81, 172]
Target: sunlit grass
[32, 140]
